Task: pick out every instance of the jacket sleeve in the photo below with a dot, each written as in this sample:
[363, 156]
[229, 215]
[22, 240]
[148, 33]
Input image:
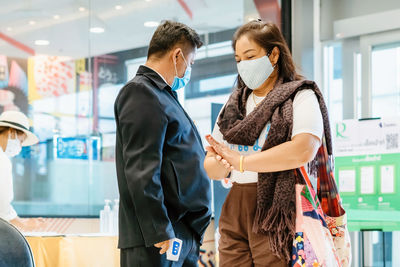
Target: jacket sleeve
[142, 126]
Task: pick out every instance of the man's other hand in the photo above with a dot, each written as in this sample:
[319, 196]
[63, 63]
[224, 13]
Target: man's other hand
[163, 246]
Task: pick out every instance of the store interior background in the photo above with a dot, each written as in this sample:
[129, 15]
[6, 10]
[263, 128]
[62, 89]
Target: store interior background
[63, 63]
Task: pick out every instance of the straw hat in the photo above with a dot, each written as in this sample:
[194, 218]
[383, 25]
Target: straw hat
[18, 120]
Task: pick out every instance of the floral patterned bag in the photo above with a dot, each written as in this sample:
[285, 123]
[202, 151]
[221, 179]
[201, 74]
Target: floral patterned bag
[322, 237]
[313, 244]
[320, 240]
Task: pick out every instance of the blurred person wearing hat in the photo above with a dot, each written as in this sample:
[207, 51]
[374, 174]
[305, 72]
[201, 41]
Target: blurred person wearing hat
[14, 134]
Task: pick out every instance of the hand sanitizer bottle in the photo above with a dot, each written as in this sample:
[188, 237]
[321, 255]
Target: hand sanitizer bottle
[115, 211]
[105, 218]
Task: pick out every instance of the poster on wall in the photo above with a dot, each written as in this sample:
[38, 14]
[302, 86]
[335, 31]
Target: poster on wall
[13, 84]
[83, 148]
[367, 170]
[84, 77]
[60, 87]
[50, 76]
[107, 70]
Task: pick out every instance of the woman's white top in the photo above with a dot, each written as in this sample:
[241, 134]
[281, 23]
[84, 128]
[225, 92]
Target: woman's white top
[7, 212]
[307, 118]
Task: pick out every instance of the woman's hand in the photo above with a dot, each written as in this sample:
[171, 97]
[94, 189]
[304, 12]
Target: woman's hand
[223, 162]
[216, 167]
[225, 154]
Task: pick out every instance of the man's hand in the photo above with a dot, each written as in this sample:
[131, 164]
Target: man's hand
[163, 246]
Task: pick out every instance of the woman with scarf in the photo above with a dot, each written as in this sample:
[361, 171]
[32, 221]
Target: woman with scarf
[273, 123]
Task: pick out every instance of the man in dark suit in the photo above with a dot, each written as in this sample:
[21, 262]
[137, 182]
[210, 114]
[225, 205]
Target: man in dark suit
[164, 190]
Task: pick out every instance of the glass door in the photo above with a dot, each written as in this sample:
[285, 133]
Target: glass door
[385, 70]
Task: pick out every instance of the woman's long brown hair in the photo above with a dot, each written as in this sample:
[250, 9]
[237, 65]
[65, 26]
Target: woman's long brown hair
[267, 35]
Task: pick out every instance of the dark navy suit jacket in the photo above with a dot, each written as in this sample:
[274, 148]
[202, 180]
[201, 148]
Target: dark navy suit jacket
[159, 158]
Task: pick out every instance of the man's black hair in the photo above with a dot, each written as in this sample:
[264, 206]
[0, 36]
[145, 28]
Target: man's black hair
[171, 33]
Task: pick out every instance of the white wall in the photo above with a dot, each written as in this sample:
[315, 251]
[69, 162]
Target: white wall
[332, 10]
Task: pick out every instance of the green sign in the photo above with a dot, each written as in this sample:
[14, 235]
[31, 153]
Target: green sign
[367, 171]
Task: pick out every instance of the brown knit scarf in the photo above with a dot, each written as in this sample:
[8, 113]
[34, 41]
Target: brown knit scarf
[276, 209]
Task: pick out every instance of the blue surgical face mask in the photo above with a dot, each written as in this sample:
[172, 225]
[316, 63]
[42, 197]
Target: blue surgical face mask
[179, 83]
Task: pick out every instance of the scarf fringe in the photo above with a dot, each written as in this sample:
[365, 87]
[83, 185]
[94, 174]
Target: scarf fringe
[273, 222]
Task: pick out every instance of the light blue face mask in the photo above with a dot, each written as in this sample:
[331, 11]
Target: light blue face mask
[255, 72]
[179, 83]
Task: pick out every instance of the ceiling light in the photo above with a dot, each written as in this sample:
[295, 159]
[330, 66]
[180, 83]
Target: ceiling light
[96, 30]
[118, 7]
[96, 25]
[151, 24]
[81, 9]
[32, 22]
[42, 42]
[148, 0]
[251, 19]
[339, 35]
[9, 29]
[56, 16]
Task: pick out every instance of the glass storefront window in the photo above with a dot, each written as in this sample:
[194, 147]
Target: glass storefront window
[385, 69]
[214, 50]
[217, 83]
[64, 68]
[358, 84]
[333, 85]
